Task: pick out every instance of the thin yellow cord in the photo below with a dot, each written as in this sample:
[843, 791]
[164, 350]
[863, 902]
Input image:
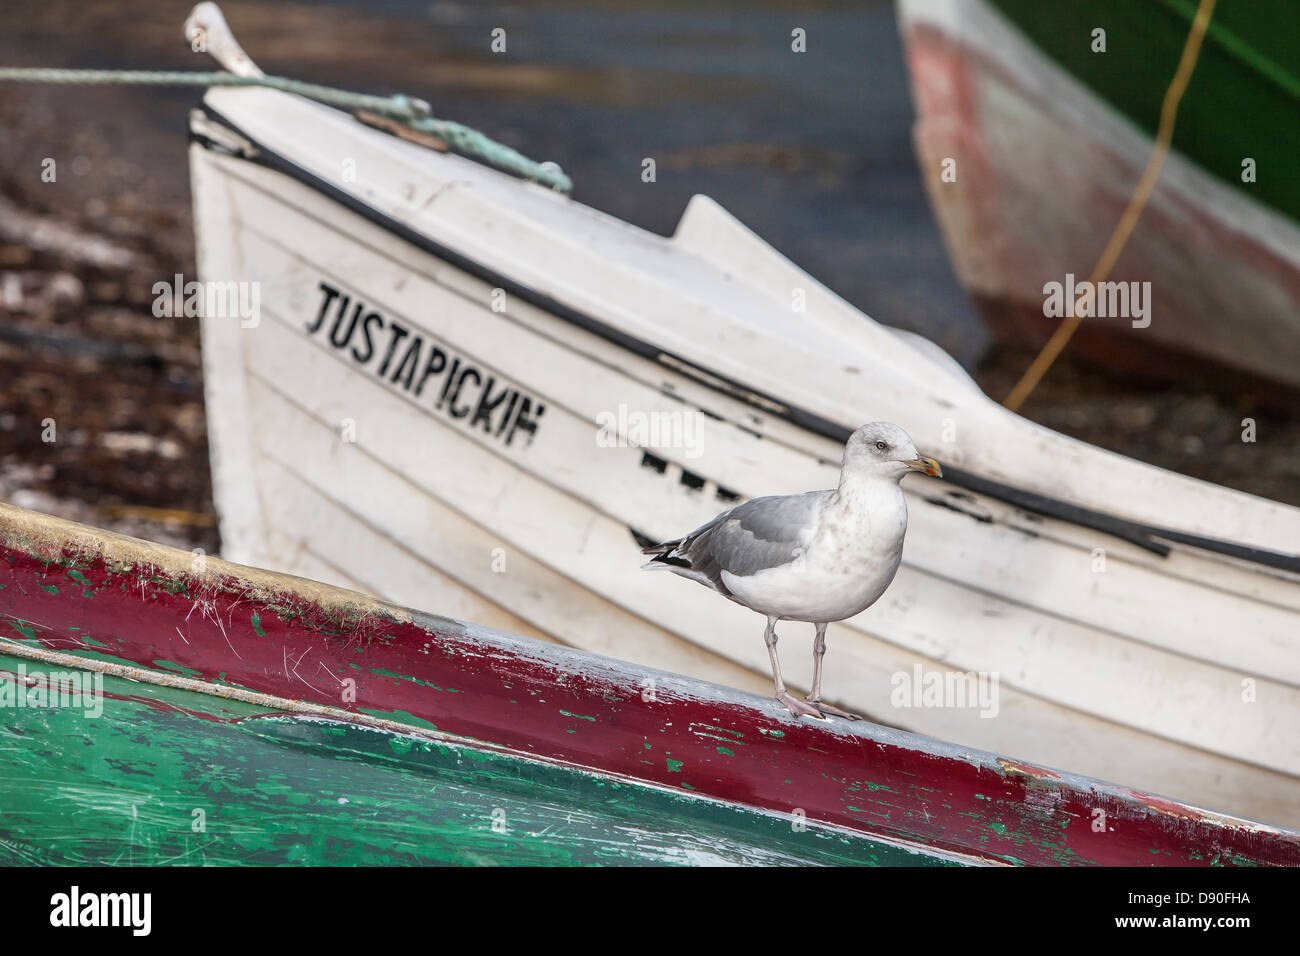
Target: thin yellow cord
[167, 515]
[1164, 134]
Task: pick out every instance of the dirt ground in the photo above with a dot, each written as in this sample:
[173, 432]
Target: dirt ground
[101, 404]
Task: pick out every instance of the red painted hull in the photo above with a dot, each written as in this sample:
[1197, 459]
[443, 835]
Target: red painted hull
[74, 592]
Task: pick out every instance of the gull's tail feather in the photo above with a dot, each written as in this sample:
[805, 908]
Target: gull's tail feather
[664, 556]
[679, 556]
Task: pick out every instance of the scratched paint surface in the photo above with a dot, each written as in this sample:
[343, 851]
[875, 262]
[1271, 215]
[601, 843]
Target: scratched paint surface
[99, 599]
[176, 777]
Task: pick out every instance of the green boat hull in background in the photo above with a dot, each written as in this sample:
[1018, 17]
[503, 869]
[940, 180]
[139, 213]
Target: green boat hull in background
[1244, 96]
[1050, 139]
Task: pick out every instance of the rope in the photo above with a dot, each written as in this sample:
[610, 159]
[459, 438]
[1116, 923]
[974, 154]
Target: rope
[413, 112]
[1164, 134]
[170, 515]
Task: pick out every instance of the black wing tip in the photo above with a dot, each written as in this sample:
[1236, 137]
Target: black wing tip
[670, 559]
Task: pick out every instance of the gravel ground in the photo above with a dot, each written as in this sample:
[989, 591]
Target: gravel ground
[101, 403]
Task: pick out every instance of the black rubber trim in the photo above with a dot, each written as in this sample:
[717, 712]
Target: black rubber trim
[1149, 537]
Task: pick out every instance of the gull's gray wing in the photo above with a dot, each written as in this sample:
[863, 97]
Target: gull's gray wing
[761, 533]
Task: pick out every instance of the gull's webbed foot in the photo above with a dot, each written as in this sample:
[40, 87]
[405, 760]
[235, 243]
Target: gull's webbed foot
[827, 710]
[797, 707]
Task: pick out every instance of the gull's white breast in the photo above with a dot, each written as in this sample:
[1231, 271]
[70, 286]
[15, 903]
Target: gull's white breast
[850, 561]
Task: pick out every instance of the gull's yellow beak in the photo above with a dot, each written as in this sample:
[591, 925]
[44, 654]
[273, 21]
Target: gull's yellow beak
[926, 465]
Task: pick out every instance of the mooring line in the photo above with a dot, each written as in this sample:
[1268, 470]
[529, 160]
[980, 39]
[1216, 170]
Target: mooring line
[412, 112]
[1164, 136]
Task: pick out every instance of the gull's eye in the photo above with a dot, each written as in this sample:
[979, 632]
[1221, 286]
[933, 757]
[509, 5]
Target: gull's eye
[881, 445]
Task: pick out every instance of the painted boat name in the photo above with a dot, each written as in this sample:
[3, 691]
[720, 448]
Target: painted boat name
[467, 393]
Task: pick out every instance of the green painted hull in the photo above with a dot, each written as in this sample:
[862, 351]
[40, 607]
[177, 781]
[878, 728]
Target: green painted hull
[1244, 96]
[179, 777]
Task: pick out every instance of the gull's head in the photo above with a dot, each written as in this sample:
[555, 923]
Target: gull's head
[885, 450]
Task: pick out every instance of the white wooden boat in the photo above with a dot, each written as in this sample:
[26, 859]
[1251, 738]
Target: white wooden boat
[418, 414]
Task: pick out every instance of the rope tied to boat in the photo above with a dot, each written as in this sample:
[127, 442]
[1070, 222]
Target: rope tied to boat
[1137, 202]
[410, 111]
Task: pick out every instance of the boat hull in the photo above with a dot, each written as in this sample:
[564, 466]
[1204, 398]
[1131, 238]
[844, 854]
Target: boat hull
[214, 783]
[1049, 146]
[253, 717]
[393, 461]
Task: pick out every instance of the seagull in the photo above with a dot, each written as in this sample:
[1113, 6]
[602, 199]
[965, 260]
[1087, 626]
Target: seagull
[818, 557]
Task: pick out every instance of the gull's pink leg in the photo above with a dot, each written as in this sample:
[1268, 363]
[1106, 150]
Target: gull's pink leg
[819, 651]
[792, 703]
